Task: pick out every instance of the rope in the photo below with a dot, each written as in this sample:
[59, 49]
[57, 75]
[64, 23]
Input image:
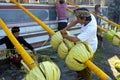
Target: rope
[45, 42]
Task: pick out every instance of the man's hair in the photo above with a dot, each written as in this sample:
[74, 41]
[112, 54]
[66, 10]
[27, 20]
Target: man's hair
[15, 29]
[82, 13]
[97, 6]
[61, 1]
[83, 9]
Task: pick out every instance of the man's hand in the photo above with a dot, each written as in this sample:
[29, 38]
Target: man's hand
[63, 32]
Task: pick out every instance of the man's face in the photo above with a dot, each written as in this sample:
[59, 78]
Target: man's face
[81, 21]
[16, 34]
[98, 9]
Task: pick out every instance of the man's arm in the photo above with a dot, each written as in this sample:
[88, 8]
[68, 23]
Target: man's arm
[73, 23]
[26, 44]
[71, 38]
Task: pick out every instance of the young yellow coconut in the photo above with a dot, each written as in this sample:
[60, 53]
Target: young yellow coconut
[116, 39]
[64, 48]
[80, 53]
[56, 40]
[46, 70]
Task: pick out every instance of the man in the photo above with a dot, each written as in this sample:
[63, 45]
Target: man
[61, 7]
[88, 33]
[16, 57]
[99, 33]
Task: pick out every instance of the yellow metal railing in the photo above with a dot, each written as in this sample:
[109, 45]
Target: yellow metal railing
[92, 66]
[102, 29]
[26, 58]
[111, 22]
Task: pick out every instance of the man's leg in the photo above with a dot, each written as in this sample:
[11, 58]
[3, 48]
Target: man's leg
[84, 74]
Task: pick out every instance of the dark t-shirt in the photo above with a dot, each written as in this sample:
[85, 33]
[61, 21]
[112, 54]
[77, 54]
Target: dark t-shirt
[9, 44]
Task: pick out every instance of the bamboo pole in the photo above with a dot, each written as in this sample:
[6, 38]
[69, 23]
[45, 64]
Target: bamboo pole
[87, 63]
[26, 58]
[111, 22]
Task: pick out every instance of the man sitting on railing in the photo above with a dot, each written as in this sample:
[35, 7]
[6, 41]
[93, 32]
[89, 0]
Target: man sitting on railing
[16, 58]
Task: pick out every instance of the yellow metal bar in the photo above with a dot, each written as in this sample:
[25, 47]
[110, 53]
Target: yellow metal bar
[102, 29]
[50, 31]
[70, 10]
[72, 4]
[96, 70]
[111, 22]
[55, 1]
[27, 59]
